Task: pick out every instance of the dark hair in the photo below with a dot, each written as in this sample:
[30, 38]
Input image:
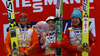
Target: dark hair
[80, 22]
[57, 18]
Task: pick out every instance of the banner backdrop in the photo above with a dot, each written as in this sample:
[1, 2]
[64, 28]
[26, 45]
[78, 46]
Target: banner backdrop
[39, 10]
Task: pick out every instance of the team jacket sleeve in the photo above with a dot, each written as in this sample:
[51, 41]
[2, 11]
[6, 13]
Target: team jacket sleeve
[35, 42]
[91, 41]
[8, 44]
[39, 49]
[61, 44]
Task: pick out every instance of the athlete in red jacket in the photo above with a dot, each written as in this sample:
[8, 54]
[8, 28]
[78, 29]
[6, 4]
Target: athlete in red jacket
[74, 34]
[48, 44]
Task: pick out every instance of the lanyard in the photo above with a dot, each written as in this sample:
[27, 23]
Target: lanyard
[53, 35]
[77, 36]
[23, 34]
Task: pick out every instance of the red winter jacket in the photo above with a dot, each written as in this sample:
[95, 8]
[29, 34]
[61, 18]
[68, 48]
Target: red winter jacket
[61, 44]
[72, 50]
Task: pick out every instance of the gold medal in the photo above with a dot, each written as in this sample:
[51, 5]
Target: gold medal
[78, 35]
[78, 42]
[24, 44]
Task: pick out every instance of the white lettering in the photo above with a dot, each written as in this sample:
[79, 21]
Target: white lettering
[4, 2]
[50, 2]
[38, 8]
[46, 2]
[59, 28]
[17, 4]
[77, 1]
[24, 3]
[91, 1]
[72, 1]
[66, 1]
[36, 0]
